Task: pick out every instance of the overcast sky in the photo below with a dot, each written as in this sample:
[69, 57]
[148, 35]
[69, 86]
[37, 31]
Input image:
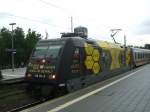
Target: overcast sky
[99, 16]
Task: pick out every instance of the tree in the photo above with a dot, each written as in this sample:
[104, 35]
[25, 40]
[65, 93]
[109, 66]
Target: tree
[147, 46]
[5, 42]
[22, 43]
[19, 45]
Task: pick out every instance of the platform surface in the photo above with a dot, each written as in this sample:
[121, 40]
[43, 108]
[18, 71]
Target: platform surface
[17, 73]
[129, 92]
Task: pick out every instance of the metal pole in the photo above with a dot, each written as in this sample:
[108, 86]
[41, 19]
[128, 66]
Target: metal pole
[12, 51]
[125, 49]
[71, 24]
[12, 40]
[125, 40]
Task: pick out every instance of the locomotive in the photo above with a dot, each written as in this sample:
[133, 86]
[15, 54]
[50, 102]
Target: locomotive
[73, 62]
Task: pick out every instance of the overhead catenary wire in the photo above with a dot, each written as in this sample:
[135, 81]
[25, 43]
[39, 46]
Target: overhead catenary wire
[61, 9]
[34, 20]
[43, 22]
[55, 6]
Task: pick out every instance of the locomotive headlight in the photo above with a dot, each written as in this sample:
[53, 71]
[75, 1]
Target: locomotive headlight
[41, 66]
[43, 61]
[52, 76]
[29, 75]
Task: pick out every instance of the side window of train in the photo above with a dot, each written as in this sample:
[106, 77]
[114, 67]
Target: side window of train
[147, 55]
[138, 55]
[135, 55]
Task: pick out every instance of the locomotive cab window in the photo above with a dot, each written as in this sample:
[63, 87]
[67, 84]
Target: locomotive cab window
[40, 51]
[47, 50]
[53, 51]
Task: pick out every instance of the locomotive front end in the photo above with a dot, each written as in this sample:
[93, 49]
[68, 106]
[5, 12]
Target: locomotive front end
[44, 62]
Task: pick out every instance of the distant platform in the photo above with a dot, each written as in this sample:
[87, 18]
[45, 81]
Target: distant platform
[128, 92]
[17, 73]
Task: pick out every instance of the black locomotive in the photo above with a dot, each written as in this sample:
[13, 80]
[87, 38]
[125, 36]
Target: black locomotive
[73, 62]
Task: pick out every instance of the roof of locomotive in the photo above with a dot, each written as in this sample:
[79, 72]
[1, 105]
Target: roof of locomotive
[108, 45]
[78, 41]
[60, 39]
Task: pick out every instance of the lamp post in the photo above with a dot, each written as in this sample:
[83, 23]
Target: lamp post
[12, 52]
[71, 24]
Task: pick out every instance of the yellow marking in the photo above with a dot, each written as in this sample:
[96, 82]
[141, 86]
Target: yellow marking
[92, 58]
[103, 45]
[108, 45]
[127, 57]
[114, 50]
[96, 68]
[89, 62]
[115, 58]
[88, 49]
[95, 55]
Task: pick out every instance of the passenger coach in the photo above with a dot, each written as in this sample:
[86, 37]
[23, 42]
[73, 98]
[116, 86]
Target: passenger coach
[140, 56]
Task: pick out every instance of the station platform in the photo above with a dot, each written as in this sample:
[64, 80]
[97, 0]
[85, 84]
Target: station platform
[128, 92]
[8, 74]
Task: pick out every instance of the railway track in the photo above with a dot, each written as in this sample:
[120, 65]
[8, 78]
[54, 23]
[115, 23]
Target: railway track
[13, 97]
[19, 108]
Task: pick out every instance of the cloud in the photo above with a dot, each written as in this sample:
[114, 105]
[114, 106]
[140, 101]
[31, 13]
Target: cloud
[4, 15]
[143, 28]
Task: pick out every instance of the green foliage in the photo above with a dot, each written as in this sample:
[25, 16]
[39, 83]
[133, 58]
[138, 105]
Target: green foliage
[31, 39]
[147, 46]
[22, 43]
[5, 42]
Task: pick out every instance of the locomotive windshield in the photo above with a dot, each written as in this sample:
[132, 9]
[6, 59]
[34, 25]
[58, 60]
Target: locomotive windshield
[47, 50]
[53, 51]
[40, 51]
